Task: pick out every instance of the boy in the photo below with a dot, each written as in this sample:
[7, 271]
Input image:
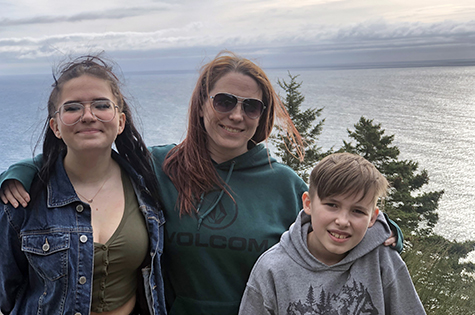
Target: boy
[329, 262]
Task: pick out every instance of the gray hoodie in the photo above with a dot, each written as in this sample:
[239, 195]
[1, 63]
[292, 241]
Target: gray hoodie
[372, 279]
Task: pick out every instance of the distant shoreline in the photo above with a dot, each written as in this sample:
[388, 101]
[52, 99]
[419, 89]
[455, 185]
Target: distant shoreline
[383, 65]
[347, 66]
[342, 66]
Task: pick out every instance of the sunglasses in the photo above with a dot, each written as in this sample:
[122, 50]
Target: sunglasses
[225, 102]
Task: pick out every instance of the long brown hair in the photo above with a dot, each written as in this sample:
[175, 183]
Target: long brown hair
[129, 143]
[189, 164]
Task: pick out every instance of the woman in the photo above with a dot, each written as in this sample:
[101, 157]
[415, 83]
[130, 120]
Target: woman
[226, 200]
[91, 239]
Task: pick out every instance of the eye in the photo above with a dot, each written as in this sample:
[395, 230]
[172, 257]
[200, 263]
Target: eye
[102, 105]
[226, 103]
[359, 212]
[331, 205]
[255, 105]
[72, 107]
[223, 102]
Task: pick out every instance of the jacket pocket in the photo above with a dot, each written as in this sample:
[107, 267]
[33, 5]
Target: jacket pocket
[47, 254]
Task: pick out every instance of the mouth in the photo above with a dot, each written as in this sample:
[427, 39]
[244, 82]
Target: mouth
[86, 131]
[339, 236]
[230, 129]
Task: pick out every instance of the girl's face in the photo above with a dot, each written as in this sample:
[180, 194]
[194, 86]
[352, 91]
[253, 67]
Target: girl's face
[228, 133]
[89, 133]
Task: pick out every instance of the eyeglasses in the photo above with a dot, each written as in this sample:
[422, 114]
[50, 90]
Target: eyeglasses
[225, 102]
[71, 113]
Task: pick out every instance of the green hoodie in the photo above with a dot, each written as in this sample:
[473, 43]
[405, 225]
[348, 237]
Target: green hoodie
[209, 256]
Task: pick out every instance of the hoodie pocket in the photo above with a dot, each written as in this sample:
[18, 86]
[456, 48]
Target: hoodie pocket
[47, 254]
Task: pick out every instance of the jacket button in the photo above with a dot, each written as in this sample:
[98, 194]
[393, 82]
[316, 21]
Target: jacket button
[83, 238]
[82, 280]
[45, 247]
[77, 313]
[79, 208]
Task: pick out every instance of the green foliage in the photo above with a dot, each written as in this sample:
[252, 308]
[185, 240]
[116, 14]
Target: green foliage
[304, 122]
[371, 143]
[445, 286]
[412, 208]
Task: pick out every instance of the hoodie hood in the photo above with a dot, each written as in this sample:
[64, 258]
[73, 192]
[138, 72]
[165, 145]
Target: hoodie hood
[294, 242]
[255, 157]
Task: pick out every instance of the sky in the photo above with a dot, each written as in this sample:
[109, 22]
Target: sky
[148, 35]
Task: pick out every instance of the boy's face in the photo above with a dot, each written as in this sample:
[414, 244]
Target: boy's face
[339, 224]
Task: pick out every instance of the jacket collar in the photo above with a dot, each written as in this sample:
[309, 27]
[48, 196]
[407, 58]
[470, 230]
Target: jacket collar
[60, 191]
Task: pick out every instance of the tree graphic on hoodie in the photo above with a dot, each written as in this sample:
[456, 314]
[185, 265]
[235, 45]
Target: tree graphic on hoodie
[352, 299]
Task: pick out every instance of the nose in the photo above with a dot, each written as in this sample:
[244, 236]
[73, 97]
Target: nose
[342, 219]
[87, 114]
[238, 112]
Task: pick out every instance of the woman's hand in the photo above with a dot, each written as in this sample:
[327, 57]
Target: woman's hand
[391, 241]
[13, 192]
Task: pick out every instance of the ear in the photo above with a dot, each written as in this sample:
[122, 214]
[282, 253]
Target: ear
[306, 202]
[121, 127]
[53, 124]
[374, 217]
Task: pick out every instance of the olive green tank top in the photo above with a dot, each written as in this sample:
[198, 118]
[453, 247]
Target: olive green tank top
[116, 263]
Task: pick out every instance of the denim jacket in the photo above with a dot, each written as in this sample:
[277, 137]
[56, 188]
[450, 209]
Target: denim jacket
[47, 250]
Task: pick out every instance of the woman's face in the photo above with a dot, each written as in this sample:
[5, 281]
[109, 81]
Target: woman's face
[89, 133]
[228, 133]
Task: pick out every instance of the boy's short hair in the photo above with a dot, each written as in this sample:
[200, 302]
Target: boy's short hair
[347, 174]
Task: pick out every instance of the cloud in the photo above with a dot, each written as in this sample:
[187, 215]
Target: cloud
[316, 42]
[29, 47]
[379, 34]
[111, 14]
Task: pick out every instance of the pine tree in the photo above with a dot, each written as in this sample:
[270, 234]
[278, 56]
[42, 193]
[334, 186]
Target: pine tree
[413, 209]
[310, 297]
[304, 122]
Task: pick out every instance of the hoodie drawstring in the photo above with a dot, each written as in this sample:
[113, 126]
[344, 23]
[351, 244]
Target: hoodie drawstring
[201, 217]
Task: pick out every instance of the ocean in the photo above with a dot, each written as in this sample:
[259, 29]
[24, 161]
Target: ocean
[429, 110]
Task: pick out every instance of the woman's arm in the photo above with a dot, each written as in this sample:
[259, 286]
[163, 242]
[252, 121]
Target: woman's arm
[396, 241]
